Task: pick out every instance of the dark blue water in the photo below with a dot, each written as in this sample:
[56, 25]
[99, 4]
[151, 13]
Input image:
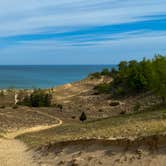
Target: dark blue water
[44, 76]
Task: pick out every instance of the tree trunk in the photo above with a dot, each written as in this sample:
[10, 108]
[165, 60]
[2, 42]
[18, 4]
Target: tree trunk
[163, 99]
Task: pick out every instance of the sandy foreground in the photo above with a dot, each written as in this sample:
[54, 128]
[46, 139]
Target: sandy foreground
[14, 153]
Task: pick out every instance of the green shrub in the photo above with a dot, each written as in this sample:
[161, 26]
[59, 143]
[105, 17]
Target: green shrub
[103, 88]
[105, 72]
[95, 75]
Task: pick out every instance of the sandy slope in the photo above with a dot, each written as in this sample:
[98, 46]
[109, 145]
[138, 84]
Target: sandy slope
[143, 151]
[102, 156]
[14, 152]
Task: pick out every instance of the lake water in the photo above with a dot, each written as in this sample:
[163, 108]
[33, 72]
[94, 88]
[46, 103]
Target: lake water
[44, 76]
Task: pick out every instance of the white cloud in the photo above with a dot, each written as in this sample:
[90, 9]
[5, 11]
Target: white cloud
[127, 45]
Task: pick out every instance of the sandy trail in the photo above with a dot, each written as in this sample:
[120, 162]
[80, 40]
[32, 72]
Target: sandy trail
[12, 135]
[14, 153]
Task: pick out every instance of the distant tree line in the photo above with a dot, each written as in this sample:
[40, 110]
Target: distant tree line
[136, 77]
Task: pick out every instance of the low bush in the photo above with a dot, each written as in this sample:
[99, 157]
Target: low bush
[95, 75]
[105, 72]
[119, 92]
[15, 107]
[114, 103]
[2, 106]
[164, 116]
[60, 106]
[137, 107]
[2, 93]
[100, 110]
[103, 88]
[123, 112]
[73, 117]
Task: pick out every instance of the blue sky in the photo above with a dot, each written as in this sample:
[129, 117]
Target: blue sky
[81, 31]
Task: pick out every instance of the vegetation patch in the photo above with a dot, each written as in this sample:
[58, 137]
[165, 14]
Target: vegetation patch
[114, 103]
[39, 98]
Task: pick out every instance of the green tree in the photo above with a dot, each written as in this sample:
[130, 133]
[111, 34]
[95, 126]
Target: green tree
[135, 77]
[159, 76]
[83, 117]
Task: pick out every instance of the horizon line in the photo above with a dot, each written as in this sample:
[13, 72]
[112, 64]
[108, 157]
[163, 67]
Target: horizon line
[55, 64]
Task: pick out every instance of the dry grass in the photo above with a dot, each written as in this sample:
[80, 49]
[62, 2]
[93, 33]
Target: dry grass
[22, 117]
[135, 125]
